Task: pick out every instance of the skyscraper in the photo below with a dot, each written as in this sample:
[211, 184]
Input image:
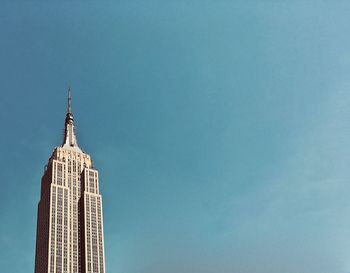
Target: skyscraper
[70, 223]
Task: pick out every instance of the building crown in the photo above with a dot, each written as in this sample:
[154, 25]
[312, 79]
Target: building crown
[70, 139]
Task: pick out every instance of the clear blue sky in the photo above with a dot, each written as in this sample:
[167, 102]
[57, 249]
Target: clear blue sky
[221, 129]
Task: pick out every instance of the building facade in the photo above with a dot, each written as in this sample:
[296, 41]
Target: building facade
[70, 235]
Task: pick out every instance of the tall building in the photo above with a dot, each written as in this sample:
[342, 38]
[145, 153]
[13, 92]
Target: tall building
[70, 223]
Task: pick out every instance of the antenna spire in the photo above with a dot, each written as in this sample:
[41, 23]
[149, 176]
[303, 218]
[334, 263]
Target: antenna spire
[69, 108]
[70, 139]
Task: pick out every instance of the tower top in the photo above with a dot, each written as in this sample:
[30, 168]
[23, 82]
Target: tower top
[70, 139]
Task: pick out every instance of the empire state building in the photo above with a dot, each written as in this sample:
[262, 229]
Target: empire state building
[69, 235]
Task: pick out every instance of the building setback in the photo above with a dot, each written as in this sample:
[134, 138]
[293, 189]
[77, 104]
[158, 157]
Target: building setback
[69, 235]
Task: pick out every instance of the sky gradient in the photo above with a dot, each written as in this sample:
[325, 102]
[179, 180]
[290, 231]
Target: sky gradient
[220, 129]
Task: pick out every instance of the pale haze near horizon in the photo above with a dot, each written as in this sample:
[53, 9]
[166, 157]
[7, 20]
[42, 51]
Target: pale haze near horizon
[220, 130]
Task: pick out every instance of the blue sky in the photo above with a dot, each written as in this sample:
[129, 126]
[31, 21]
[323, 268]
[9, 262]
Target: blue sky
[220, 129]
